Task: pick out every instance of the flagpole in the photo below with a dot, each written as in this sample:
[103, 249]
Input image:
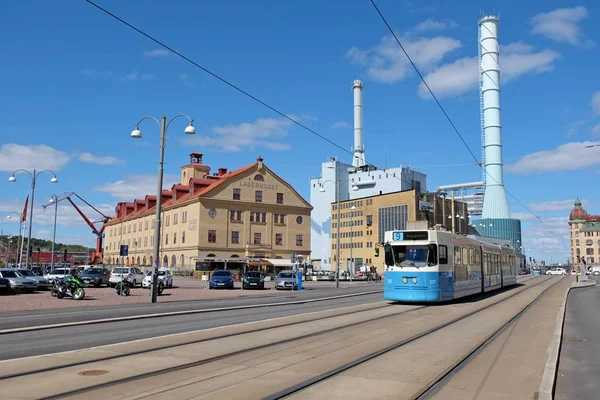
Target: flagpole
[22, 233]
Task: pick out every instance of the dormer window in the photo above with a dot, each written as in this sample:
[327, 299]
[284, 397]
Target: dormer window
[259, 177]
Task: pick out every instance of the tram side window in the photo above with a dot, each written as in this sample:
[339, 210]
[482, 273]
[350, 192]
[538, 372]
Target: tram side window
[432, 256]
[465, 256]
[443, 254]
[457, 256]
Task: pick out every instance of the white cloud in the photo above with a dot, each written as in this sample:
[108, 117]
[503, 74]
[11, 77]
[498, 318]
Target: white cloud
[187, 81]
[560, 25]
[430, 25]
[135, 76]
[461, 76]
[130, 77]
[567, 157]
[102, 160]
[554, 205]
[41, 157]
[135, 186]
[596, 130]
[248, 135]
[387, 63]
[340, 125]
[523, 216]
[575, 127]
[596, 103]
[157, 53]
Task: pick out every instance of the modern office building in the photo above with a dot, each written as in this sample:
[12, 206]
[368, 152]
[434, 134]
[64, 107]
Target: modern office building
[249, 215]
[584, 230]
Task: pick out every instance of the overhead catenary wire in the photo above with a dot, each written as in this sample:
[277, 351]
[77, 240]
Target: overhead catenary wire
[477, 162]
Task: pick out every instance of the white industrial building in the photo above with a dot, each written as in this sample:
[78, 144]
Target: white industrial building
[356, 180]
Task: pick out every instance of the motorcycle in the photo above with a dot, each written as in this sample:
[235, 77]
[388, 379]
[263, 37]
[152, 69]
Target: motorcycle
[123, 287]
[68, 286]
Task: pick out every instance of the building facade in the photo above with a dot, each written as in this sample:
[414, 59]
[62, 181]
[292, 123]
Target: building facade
[354, 183]
[584, 231]
[364, 221]
[224, 217]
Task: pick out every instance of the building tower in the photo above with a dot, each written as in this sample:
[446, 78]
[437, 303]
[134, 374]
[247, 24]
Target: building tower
[359, 147]
[494, 203]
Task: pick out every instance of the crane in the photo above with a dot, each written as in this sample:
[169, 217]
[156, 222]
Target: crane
[97, 257]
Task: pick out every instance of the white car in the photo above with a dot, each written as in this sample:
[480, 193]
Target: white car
[557, 271]
[133, 275]
[164, 275]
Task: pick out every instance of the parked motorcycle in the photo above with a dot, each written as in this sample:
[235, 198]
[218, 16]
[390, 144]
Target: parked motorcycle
[68, 286]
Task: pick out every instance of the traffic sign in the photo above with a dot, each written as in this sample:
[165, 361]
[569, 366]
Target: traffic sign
[293, 257]
[124, 250]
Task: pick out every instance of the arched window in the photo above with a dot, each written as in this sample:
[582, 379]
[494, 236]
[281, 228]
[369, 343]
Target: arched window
[166, 261]
[138, 260]
[211, 255]
[577, 242]
[151, 264]
[235, 256]
[259, 177]
[589, 242]
[144, 260]
[173, 261]
[182, 262]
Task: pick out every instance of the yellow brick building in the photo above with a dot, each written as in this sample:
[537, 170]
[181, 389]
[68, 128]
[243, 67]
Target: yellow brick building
[363, 228]
[246, 215]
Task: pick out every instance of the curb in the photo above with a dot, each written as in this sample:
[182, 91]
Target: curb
[175, 313]
[546, 390]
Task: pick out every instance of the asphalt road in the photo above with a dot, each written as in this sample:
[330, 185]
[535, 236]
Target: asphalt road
[579, 362]
[21, 319]
[79, 337]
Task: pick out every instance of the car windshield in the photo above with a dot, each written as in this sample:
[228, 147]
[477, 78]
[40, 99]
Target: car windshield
[10, 274]
[221, 273]
[60, 272]
[26, 272]
[93, 271]
[253, 274]
[286, 275]
[121, 271]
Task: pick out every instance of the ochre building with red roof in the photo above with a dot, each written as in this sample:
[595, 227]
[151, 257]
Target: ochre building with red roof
[249, 215]
[585, 236]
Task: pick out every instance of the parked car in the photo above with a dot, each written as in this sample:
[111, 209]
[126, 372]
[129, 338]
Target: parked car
[164, 275]
[4, 286]
[133, 275]
[42, 283]
[57, 273]
[253, 280]
[95, 276]
[556, 271]
[17, 282]
[286, 280]
[221, 278]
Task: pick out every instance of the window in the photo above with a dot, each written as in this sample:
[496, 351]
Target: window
[167, 238]
[369, 220]
[146, 241]
[168, 220]
[128, 228]
[184, 217]
[299, 240]
[258, 196]
[279, 198]
[443, 254]
[238, 216]
[146, 225]
[175, 238]
[134, 227]
[235, 237]
[299, 220]
[457, 255]
[175, 218]
[264, 217]
[251, 216]
[257, 238]
[231, 215]
[140, 226]
[279, 239]
[212, 236]
[259, 177]
[237, 193]
[182, 235]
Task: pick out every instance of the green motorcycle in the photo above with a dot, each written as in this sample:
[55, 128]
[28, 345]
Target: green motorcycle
[68, 286]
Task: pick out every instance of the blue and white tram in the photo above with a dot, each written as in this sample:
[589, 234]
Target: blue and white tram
[433, 266]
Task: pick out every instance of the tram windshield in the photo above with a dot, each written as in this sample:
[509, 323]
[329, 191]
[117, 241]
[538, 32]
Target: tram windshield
[414, 256]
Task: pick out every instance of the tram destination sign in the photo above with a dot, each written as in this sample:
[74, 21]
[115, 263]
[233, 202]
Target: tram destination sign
[411, 235]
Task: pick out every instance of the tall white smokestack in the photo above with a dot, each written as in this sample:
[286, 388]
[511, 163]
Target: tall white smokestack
[494, 203]
[359, 147]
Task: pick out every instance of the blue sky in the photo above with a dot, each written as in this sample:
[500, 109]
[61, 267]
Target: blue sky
[75, 81]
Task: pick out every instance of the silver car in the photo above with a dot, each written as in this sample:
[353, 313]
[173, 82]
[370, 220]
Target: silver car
[42, 283]
[286, 280]
[17, 281]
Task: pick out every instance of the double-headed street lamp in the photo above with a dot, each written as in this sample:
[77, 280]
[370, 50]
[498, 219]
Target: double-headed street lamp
[137, 134]
[21, 233]
[33, 176]
[337, 200]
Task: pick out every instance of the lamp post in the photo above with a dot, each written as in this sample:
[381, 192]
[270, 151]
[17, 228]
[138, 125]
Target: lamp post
[337, 246]
[33, 176]
[21, 233]
[137, 134]
[10, 238]
[54, 199]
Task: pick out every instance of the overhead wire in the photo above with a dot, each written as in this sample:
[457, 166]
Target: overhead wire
[477, 162]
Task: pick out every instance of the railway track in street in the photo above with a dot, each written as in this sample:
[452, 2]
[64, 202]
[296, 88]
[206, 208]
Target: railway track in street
[306, 340]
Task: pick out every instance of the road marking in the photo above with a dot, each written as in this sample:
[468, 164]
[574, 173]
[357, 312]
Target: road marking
[175, 313]
[196, 331]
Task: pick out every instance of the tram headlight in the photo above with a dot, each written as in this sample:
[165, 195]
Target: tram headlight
[404, 280]
[414, 280]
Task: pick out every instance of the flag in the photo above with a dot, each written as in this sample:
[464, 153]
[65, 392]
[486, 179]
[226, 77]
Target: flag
[24, 215]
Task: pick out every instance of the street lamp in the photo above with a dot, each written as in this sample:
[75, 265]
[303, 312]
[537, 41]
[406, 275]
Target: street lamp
[137, 134]
[21, 232]
[33, 176]
[53, 200]
[337, 200]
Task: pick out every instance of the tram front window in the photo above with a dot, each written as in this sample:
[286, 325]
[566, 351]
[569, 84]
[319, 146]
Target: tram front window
[415, 256]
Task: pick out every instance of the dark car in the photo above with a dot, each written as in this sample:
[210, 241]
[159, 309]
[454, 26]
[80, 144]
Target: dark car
[221, 278]
[4, 286]
[253, 280]
[95, 276]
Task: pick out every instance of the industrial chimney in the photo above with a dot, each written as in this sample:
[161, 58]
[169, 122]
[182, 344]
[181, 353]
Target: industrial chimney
[494, 203]
[359, 148]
